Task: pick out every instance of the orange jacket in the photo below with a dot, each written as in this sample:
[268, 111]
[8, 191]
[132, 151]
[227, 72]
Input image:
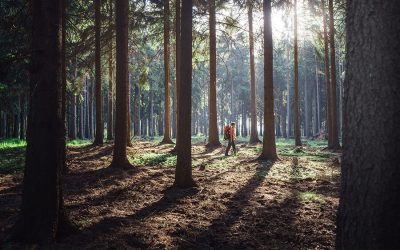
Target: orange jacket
[232, 133]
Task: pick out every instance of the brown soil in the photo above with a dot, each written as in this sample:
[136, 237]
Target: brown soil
[239, 204]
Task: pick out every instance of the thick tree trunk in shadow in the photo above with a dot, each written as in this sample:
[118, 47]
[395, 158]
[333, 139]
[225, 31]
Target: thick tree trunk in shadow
[269, 147]
[120, 159]
[183, 172]
[368, 216]
[42, 211]
[98, 140]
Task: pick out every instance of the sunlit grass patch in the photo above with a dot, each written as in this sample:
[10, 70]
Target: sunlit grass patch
[304, 153]
[12, 143]
[12, 155]
[153, 159]
[316, 143]
[310, 197]
[300, 173]
[79, 142]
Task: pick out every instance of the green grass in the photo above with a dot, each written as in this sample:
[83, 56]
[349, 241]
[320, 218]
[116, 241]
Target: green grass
[11, 143]
[79, 142]
[153, 159]
[311, 151]
[12, 155]
[310, 197]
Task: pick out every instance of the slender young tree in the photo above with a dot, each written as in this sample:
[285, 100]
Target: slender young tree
[120, 159]
[98, 140]
[110, 127]
[334, 120]
[269, 146]
[253, 128]
[178, 53]
[327, 76]
[296, 104]
[213, 139]
[369, 206]
[42, 212]
[128, 113]
[167, 110]
[183, 172]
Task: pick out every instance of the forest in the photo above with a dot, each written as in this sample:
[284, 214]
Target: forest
[199, 124]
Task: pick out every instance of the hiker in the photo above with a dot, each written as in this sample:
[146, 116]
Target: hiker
[229, 134]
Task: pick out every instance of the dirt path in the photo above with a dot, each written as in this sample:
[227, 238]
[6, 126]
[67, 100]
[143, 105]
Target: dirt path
[289, 204]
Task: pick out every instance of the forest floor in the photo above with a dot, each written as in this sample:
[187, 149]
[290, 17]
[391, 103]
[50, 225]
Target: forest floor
[238, 204]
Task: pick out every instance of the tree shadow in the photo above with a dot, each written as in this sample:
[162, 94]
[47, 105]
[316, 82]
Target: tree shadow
[171, 197]
[235, 209]
[91, 152]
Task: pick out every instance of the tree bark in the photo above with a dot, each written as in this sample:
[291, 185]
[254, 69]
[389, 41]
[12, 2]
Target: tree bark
[128, 103]
[269, 147]
[98, 140]
[136, 114]
[327, 77]
[368, 216]
[334, 132]
[120, 159]
[110, 127]
[213, 139]
[22, 117]
[178, 54]
[253, 127]
[317, 97]
[167, 110]
[288, 113]
[42, 215]
[183, 172]
[296, 113]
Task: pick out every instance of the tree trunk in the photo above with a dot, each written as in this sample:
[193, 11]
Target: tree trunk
[296, 104]
[99, 136]
[167, 110]
[178, 53]
[317, 97]
[253, 110]
[151, 118]
[136, 114]
[269, 147]
[120, 159]
[16, 126]
[283, 120]
[128, 125]
[327, 77]
[174, 111]
[334, 132]
[288, 113]
[22, 117]
[213, 139]
[73, 123]
[368, 216]
[42, 215]
[110, 127]
[80, 132]
[183, 172]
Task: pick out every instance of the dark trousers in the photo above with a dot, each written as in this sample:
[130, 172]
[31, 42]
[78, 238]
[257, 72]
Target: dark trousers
[231, 143]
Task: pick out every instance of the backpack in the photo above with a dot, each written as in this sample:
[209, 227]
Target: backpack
[227, 132]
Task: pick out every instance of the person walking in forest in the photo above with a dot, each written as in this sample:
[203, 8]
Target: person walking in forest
[229, 134]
